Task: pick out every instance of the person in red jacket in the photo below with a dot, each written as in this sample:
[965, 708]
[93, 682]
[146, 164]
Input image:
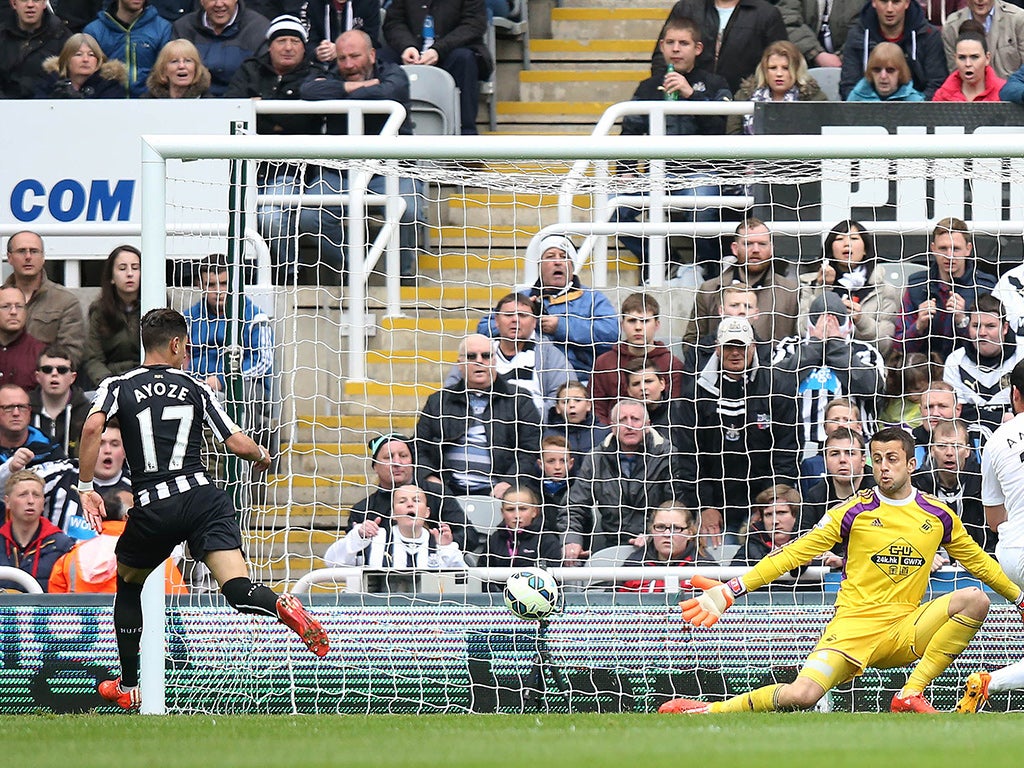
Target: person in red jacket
[973, 79]
[27, 540]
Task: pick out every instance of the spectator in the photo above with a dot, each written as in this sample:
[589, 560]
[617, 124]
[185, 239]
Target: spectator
[478, 435]
[77, 13]
[755, 266]
[819, 29]
[31, 543]
[532, 365]
[91, 567]
[933, 315]
[672, 539]
[774, 520]
[1010, 291]
[110, 473]
[408, 543]
[19, 349]
[29, 34]
[737, 437]
[938, 403]
[554, 478]
[850, 269]
[1003, 25]
[339, 17]
[21, 445]
[359, 75]
[827, 363]
[82, 71]
[979, 370]
[952, 473]
[573, 418]
[640, 324]
[628, 474]
[226, 33]
[457, 45]
[112, 346]
[179, 73]
[581, 320]
[520, 541]
[133, 32]
[901, 22]
[59, 406]
[1013, 91]
[738, 300]
[974, 79]
[781, 76]
[839, 412]
[54, 314]
[681, 45]
[644, 382]
[210, 345]
[392, 461]
[907, 378]
[278, 74]
[736, 32]
[845, 461]
[887, 77]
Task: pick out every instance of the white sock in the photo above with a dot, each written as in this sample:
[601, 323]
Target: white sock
[1008, 678]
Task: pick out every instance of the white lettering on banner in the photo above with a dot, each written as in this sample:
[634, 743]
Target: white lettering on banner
[849, 184]
[69, 199]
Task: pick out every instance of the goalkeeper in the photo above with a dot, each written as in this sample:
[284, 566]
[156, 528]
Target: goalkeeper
[892, 533]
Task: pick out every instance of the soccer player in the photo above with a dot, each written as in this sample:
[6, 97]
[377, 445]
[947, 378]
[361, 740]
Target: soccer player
[1002, 494]
[892, 533]
[161, 411]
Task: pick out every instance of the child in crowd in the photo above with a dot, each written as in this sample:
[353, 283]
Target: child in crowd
[573, 418]
[554, 477]
[519, 541]
[644, 382]
[406, 544]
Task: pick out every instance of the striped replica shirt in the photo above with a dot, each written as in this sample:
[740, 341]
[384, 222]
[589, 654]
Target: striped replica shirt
[161, 411]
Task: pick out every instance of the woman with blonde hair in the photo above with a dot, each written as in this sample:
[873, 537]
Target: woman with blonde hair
[886, 77]
[673, 539]
[781, 76]
[82, 71]
[179, 73]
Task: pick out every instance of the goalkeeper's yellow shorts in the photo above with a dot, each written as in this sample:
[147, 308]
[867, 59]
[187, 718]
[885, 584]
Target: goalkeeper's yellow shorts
[848, 645]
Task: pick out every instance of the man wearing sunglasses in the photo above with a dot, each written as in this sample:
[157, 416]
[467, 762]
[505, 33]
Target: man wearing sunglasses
[59, 406]
[478, 434]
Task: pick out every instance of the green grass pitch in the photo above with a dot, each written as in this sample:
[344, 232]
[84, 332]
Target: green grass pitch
[533, 741]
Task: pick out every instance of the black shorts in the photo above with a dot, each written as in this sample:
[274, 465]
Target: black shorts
[204, 517]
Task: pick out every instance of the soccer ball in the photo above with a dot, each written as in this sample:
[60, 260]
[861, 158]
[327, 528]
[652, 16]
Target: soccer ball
[531, 594]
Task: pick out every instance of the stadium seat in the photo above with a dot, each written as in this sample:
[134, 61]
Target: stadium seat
[724, 553]
[482, 512]
[434, 101]
[828, 79]
[610, 557]
[518, 30]
[489, 87]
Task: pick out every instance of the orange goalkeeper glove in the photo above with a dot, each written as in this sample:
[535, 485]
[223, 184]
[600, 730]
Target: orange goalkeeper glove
[708, 607]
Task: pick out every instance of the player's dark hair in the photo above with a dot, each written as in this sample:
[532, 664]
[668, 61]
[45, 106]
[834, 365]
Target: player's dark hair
[161, 325]
[896, 435]
[1017, 378]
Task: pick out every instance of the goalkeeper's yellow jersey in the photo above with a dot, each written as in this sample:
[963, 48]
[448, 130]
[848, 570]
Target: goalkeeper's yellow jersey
[890, 546]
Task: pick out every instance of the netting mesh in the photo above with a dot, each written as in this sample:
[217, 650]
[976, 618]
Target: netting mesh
[459, 243]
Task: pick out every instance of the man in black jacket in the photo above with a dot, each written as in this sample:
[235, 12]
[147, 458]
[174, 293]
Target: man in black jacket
[478, 435]
[457, 45]
[278, 72]
[29, 33]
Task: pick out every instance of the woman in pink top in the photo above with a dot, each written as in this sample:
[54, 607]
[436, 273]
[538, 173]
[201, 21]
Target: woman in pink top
[974, 79]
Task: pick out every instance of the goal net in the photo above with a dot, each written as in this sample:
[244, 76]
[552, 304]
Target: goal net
[367, 288]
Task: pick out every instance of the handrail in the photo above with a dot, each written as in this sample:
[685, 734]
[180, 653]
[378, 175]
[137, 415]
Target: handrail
[22, 579]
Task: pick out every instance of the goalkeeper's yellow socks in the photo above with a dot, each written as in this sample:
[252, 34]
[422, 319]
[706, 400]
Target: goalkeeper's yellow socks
[946, 644]
[761, 700]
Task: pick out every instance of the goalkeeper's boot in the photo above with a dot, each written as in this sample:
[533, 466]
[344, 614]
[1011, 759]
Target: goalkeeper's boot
[298, 619]
[111, 690]
[915, 703]
[684, 707]
[975, 693]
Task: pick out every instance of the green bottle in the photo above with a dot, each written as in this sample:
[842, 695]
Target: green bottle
[674, 95]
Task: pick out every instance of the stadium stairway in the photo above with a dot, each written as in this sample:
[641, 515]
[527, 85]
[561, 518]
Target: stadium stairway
[587, 55]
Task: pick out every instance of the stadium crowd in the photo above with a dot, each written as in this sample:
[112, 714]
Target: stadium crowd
[590, 429]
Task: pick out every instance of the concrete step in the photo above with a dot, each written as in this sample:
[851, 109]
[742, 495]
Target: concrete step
[607, 23]
[297, 516]
[338, 490]
[613, 51]
[605, 4]
[578, 85]
[580, 113]
[355, 428]
[506, 209]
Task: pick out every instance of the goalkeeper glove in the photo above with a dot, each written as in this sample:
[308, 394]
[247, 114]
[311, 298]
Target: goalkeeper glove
[705, 610]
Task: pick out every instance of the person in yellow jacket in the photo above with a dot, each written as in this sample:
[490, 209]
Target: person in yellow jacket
[92, 566]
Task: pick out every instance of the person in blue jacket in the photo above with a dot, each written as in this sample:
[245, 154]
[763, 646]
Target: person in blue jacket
[133, 32]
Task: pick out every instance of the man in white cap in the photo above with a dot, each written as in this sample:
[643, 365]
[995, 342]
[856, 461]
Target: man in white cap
[824, 364]
[580, 320]
[737, 436]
